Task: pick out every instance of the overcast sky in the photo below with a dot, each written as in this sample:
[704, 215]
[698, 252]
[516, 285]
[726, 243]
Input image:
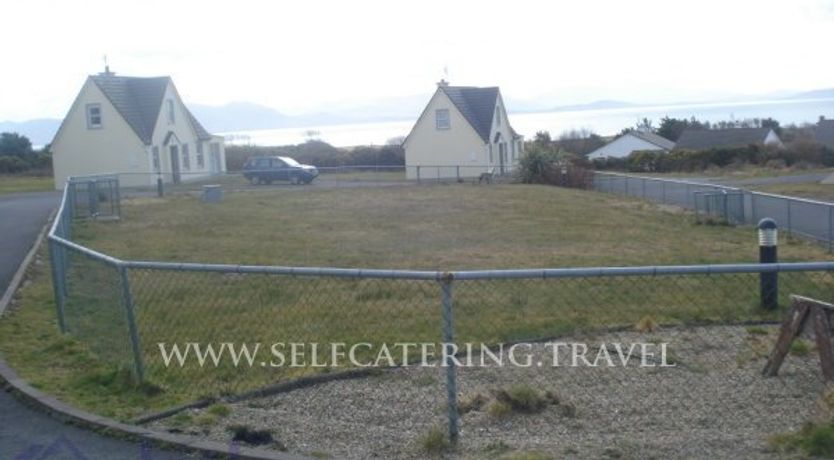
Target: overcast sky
[308, 55]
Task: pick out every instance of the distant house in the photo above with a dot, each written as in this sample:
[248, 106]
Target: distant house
[824, 132]
[462, 131]
[704, 139]
[134, 125]
[631, 142]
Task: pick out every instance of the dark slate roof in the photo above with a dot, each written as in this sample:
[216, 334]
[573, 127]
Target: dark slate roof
[139, 101]
[824, 133]
[700, 139]
[653, 138]
[476, 104]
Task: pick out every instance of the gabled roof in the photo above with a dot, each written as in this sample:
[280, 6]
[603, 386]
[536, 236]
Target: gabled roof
[139, 101]
[700, 139]
[476, 104]
[653, 138]
[824, 133]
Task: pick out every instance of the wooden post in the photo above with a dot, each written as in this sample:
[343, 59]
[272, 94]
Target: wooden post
[802, 309]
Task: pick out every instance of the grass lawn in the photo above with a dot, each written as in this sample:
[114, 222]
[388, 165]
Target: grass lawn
[19, 183]
[813, 190]
[433, 227]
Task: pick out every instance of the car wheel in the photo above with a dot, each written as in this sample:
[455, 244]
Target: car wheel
[295, 180]
[254, 180]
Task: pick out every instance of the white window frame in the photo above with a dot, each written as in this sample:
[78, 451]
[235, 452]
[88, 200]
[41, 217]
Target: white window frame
[155, 158]
[201, 161]
[171, 113]
[90, 116]
[186, 157]
[444, 122]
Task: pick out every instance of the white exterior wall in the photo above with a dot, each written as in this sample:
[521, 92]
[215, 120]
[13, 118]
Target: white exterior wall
[77, 150]
[622, 147]
[503, 128]
[772, 138]
[183, 134]
[439, 152]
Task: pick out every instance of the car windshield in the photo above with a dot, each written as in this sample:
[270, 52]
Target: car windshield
[290, 161]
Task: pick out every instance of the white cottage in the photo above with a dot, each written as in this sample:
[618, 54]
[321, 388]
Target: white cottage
[463, 131]
[135, 126]
[632, 141]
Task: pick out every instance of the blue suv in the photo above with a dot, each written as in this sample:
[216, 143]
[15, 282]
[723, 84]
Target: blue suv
[266, 170]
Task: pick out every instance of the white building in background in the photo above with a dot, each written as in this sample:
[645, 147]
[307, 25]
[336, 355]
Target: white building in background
[631, 142]
[463, 130]
[135, 126]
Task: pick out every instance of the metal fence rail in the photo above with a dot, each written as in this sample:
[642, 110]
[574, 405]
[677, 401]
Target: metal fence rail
[124, 309]
[810, 219]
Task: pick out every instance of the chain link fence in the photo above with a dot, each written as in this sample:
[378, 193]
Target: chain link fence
[810, 219]
[665, 359]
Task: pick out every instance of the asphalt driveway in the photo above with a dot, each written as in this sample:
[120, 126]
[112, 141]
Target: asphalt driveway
[26, 434]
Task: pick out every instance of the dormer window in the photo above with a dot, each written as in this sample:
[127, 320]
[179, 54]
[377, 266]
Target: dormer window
[170, 105]
[442, 119]
[93, 116]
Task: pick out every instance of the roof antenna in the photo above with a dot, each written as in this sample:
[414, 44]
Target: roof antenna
[106, 67]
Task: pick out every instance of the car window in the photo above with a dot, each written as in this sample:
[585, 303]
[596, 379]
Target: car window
[262, 163]
[290, 161]
[276, 163]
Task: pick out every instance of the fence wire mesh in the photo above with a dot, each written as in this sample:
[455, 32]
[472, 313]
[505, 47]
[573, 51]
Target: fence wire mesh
[696, 340]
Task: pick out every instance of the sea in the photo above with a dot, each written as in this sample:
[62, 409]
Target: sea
[601, 121]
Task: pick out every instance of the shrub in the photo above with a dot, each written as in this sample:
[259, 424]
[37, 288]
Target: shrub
[543, 165]
[435, 442]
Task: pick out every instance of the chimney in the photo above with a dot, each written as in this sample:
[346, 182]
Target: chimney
[822, 118]
[442, 83]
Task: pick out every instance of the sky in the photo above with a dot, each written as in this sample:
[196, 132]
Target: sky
[305, 56]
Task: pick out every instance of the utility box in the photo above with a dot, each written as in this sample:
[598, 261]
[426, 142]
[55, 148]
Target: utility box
[212, 194]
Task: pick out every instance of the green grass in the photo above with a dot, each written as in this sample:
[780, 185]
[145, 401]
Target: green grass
[21, 183]
[437, 227]
[816, 440]
[813, 190]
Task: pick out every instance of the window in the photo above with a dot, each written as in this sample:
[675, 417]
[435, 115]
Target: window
[442, 119]
[490, 153]
[186, 159]
[497, 116]
[201, 162]
[93, 116]
[512, 151]
[170, 105]
[155, 157]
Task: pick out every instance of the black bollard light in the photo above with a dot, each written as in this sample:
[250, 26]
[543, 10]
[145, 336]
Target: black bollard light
[768, 282]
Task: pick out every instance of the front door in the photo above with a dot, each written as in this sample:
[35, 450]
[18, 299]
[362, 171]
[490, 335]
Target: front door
[175, 163]
[502, 157]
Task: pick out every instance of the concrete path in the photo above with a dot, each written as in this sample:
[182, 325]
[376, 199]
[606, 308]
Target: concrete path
[26, 434]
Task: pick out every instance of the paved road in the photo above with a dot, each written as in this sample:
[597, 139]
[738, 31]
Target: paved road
[26, 434]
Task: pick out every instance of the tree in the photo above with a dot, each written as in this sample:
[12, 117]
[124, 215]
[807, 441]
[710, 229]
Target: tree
[542, 139]
[15, 145]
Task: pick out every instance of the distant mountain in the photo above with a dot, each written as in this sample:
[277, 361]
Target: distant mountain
[40, 132]
[238, 116]
[815, 94]
[596, 105]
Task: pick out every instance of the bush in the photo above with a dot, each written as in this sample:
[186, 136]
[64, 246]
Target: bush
[542, 165]
[798, 153]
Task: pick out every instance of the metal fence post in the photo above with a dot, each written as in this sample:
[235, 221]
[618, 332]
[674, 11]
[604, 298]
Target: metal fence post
[127, 300]
[457, 172]
[57, 284]
[449, 362]
[644, 188]
[790, 227]
[663, 191]
[830, 229]
[418, 174]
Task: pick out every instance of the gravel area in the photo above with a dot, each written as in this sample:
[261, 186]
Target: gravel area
[713, 404]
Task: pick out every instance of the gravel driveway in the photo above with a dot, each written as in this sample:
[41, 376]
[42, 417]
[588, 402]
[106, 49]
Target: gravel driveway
[712, 404]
